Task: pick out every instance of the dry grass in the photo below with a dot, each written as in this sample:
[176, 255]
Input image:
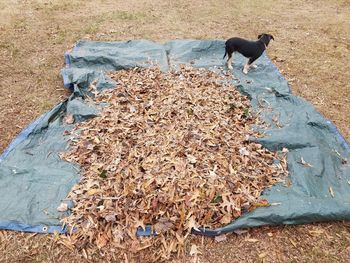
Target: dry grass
[311, 49]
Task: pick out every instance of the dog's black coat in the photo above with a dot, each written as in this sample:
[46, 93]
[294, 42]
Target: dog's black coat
[250, 49]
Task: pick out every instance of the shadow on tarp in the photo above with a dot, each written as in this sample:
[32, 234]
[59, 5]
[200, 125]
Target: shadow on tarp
[34, 180]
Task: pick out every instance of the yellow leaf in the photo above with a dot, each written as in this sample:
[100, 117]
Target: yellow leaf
[92, 191]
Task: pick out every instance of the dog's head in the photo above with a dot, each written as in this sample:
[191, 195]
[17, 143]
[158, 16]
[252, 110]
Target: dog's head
[265, 38]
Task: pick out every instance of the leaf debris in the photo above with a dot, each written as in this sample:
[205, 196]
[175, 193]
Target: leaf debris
[170, 151]
[302, 161]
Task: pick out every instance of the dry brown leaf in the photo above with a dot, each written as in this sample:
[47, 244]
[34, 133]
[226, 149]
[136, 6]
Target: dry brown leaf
[302, 161]
[191, 159]
[316, 232]
[194, 250]
[226, 219]
[285, 150]
[69, 119]
[163, 225]
[243, 151]
[110, 218]
[93, 191]
[191, 224]
[101, 240]
[63, 207]
[240, 231]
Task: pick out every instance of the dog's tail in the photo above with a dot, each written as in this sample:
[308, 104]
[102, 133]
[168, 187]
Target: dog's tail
[225, 53]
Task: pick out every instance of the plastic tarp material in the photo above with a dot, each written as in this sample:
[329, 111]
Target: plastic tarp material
[34, 180]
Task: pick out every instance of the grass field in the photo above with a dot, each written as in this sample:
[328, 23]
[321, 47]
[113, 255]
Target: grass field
[312, 50]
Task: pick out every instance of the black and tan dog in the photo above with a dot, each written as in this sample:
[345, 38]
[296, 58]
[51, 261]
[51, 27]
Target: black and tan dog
[250, 49]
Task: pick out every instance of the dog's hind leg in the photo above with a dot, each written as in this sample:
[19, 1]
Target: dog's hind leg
[248, 65]
[246, 68]
[229, 61]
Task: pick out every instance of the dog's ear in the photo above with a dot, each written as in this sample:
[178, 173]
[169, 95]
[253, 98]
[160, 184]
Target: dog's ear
[259, 36]
[271, 36]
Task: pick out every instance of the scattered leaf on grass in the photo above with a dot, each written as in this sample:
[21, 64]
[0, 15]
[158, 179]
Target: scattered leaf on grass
[194, 250]
[293, 242]
[240, 231]
[252, 240]
[316, 232]
[220, 238]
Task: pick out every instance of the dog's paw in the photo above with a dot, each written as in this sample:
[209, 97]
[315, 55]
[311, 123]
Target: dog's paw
[229, 67]
[245, 71]
[254, 66]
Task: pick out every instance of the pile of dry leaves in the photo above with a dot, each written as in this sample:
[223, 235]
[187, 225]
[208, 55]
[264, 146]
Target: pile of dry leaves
[170, 150]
